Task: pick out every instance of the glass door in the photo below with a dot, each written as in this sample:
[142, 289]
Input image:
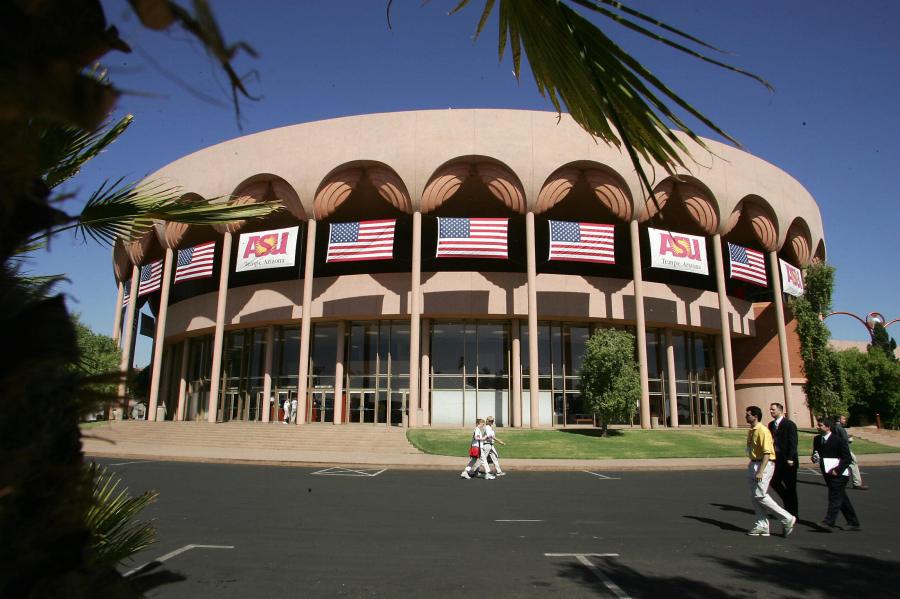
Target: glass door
[321, 406]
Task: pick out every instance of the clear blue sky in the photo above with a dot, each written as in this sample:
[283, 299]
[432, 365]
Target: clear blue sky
[833, 122]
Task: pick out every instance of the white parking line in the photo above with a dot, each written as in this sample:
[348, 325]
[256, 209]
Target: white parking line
[518, 520]
[584, 561]
[137, 462]
[348, 472]
[603, 476]
[172, 554]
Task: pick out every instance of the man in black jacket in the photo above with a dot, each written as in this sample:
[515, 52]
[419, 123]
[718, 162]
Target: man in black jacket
[832, 453]
[784, 481]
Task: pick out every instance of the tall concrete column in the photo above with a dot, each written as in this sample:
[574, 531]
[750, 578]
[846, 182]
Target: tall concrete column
[215, 377]
[516, 375]
[182, 380]
[672, 390]
[415, 310]
[640, 323]
[117, 317]
[720, 383]
[125, 363]
[339, 373]
[303, 380]
[266, 406]
[782, 332]
[160, 338]
[425, 378]
[724, 318]
[534, 365]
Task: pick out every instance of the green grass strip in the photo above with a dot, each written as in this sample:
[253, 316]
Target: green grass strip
[621, 443]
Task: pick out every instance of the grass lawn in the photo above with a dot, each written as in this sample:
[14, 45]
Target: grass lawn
[621, 443]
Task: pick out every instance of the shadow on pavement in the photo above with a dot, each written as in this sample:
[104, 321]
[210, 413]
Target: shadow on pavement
[817, 573]
[719, 523]
[151, 577]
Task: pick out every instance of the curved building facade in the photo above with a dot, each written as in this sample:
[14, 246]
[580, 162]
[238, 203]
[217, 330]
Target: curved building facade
[433, 267]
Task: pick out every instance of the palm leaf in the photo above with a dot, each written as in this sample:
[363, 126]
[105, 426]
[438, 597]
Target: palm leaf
[66, 149]
[127, 211]
[115, 533]
[608, 93]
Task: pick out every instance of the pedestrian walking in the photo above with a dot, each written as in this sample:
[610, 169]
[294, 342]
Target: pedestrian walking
[761, 451]
[856, 481]
[832, 453]
[294, 410]
[490, 441]
[477, 455]
[784, 435]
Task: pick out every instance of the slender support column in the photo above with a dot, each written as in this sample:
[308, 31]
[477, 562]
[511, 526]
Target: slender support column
[672, 391]
[425, 378]
[182, 381]
[117, 317]
[782, 332]
[516, 374]
[215, 376]
[532, 321]
[339, 373]
[159, 339]
[267, 374]
[724, 318]
[640, 322]
[415, 310]
[125, 363]
[303, 380]
[720, 383]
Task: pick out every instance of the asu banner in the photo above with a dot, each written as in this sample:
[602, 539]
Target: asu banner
[791, 279]
[267, 249]
[678, 251]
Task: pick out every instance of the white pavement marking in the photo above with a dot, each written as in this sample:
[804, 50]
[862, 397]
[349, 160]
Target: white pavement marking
[518, 520]
[172, 554]
[603, 476]
[584, 561]
[137, 462]
[348, 472]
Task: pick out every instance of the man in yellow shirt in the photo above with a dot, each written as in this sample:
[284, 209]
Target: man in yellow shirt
[761, 451]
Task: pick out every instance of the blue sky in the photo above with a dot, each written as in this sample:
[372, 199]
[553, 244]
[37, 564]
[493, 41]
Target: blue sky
[832, 122]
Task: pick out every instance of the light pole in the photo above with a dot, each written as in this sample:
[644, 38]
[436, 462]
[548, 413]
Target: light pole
[872, 320]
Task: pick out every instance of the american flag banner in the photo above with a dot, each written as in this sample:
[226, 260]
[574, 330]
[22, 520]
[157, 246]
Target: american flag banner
[472, 238]
[151, 278]
[747, 265]
[364, 240]
[582, 242]
[195, 262]
[126, 297]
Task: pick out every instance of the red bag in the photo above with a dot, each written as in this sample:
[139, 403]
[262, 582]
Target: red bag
[474, 452]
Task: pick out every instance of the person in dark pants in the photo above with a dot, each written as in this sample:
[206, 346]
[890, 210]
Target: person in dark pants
[784, 481]
[832, 453]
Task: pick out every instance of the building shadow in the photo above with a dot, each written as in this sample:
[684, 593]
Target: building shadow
[592, 432]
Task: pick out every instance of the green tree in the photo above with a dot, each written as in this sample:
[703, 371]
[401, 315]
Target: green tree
[871, 384]
[610, 382]
[820, 365]
[882, 342]
[98, 357]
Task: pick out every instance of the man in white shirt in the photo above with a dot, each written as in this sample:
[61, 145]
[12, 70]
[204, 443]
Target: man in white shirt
[478, 442]
[490, 439]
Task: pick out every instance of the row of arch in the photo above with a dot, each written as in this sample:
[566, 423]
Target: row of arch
[482, 186]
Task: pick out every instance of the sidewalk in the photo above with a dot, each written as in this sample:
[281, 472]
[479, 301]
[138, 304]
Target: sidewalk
[363, 447]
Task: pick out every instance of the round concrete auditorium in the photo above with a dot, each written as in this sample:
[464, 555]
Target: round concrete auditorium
[432, 267]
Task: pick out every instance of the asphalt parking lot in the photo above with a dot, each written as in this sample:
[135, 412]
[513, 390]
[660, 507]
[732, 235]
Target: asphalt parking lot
[260, 531]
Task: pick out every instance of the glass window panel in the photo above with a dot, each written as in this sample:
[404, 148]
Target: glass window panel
[383, 333]
[447, 382]
[678, 342]
[653, 349]
[288, 351]
[555, 350]
[576, 339]
[493, 347]
[470, 339]
[324, 349]
[399, 348]
[363, 350]
[447, 349]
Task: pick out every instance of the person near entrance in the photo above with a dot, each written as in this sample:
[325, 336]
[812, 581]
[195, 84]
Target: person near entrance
[294, 410]
[832, 453]
[784, 435]
[761, 451]
[490, 440]
[477, 454]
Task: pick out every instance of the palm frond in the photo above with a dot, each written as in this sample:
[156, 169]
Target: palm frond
[119, 210]
[115, 533]
[66, 149]
[608, 93]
